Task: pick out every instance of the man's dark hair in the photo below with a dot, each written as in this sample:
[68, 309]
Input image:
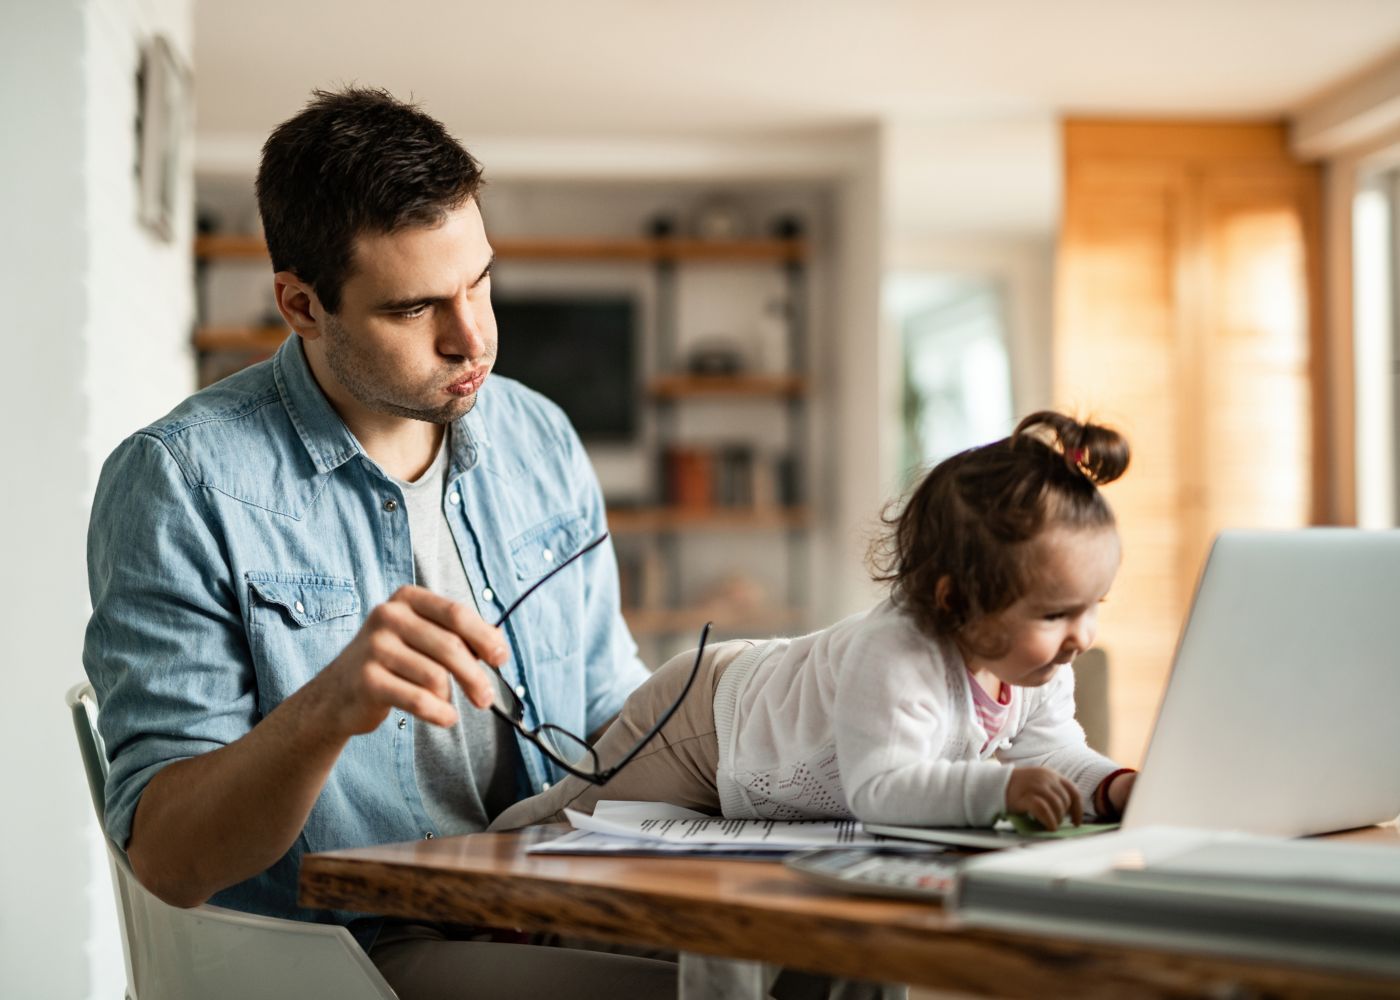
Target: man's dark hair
[354, 161]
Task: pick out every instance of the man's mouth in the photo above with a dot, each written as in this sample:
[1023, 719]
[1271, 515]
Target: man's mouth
[468, 385]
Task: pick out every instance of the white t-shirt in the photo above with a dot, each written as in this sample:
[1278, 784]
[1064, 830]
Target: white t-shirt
[871, 718]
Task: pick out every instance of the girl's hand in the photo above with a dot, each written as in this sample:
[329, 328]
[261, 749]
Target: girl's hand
[1119, 790]
[1045, 794]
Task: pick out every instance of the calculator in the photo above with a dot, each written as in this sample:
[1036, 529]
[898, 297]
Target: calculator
[880, 871]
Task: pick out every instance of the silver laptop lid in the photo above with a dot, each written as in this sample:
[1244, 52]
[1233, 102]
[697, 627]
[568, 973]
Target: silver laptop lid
[1282, 712]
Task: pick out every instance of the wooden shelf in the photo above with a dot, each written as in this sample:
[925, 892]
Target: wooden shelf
[643, 249]
[229, 247]
[683, 621]
[633, 520]
[692, 386]
[235, 247]
[239, 338]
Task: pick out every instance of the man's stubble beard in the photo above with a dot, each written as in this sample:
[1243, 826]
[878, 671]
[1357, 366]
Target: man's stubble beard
[357, 376]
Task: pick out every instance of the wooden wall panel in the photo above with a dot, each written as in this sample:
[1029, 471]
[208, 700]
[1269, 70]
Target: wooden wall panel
[1185, 318]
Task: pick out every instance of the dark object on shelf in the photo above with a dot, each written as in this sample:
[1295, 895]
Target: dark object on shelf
[720, 218]
[787, 227]
[789, 475]
[661, 226]
[207, 222]
[715, 357]
[581, 352]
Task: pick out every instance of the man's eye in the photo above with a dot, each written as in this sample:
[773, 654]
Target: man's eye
[413, 313]
[1054, 616]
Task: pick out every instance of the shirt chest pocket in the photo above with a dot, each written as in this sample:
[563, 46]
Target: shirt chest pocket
[297, 624]
[550, 619]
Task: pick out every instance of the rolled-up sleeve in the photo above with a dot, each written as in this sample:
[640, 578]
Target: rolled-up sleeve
[165, 648]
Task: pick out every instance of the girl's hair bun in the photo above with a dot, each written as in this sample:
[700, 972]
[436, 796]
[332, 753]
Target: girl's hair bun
[1098, 453]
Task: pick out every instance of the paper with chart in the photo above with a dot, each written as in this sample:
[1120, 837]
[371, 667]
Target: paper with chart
[676, 825]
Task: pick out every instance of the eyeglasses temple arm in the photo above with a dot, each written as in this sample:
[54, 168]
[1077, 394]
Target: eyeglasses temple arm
[666, 717]
[544, 579]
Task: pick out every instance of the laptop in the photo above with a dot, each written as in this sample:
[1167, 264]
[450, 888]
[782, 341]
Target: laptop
[1282, 711]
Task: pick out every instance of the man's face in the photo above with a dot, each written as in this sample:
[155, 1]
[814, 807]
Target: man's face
[415, 336]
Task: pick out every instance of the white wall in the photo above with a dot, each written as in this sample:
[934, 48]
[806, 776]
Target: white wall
[982, 198]
[98, 316]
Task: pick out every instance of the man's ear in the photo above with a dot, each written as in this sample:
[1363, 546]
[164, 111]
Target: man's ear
[298, 304]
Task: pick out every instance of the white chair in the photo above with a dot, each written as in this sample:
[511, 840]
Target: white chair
[210, 952]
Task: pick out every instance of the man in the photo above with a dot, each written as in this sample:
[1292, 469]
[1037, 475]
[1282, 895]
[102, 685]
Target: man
[293, 572]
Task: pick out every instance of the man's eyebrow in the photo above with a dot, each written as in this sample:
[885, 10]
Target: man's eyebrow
[412, 302]
[485, 270]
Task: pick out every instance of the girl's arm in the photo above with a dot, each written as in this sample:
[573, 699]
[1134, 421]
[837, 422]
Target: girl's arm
[902, 744]
[1051, 737]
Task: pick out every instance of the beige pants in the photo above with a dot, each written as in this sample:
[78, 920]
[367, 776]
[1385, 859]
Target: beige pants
[678, 766]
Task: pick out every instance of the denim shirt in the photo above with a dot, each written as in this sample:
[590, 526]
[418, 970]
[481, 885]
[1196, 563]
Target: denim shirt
[237, 545]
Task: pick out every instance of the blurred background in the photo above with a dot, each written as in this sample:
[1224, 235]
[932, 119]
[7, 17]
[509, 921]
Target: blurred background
[773, 258]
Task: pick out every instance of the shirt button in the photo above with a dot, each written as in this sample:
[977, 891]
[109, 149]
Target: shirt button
[548, 556]
[454, 498]
[486, 593]
[544, 787]
[520, 690]
[299, 606]
[402, 722]
[391, 505]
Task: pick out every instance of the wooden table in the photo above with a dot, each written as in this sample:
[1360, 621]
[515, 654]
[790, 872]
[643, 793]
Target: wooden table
[759, 912]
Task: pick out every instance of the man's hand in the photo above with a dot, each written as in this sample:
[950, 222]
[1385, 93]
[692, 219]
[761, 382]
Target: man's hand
[207, 822]
[406, 655]
[1045, 794]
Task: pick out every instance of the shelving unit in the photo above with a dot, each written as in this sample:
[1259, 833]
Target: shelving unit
[661, 523]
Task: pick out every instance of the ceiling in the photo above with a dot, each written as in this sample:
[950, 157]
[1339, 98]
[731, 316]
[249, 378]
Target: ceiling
[660, 68]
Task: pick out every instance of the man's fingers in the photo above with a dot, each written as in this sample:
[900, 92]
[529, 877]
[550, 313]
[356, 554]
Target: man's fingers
[485, 641]
[393, 689]
[432, 625]
[393, 652]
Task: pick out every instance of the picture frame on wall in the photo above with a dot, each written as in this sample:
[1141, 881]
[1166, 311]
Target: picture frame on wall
[162, 99]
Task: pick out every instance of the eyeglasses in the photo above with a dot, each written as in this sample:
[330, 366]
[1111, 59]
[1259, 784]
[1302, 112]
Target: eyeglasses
[566, 750]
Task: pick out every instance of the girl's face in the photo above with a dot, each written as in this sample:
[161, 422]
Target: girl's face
[1056, 619]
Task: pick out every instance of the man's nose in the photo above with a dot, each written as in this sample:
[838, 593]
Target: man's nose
[461, 334]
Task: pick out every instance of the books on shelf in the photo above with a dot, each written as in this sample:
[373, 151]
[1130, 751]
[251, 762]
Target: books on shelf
[731, 476]
[1310, 901]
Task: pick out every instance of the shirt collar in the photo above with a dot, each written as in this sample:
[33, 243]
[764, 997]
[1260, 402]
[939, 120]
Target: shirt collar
[328, 441]
[324, 435]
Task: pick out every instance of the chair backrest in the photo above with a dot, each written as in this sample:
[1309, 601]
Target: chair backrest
[83, 705]
[207, 951]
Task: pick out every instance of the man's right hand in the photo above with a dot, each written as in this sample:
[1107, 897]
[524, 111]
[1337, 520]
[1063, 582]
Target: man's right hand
[407, 654]
[1045, 794]
[207, 822]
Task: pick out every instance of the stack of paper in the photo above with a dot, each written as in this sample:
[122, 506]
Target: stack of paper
[1309, 901]
[655, 828]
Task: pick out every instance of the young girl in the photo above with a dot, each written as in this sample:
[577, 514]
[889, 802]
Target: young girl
[945, 704]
